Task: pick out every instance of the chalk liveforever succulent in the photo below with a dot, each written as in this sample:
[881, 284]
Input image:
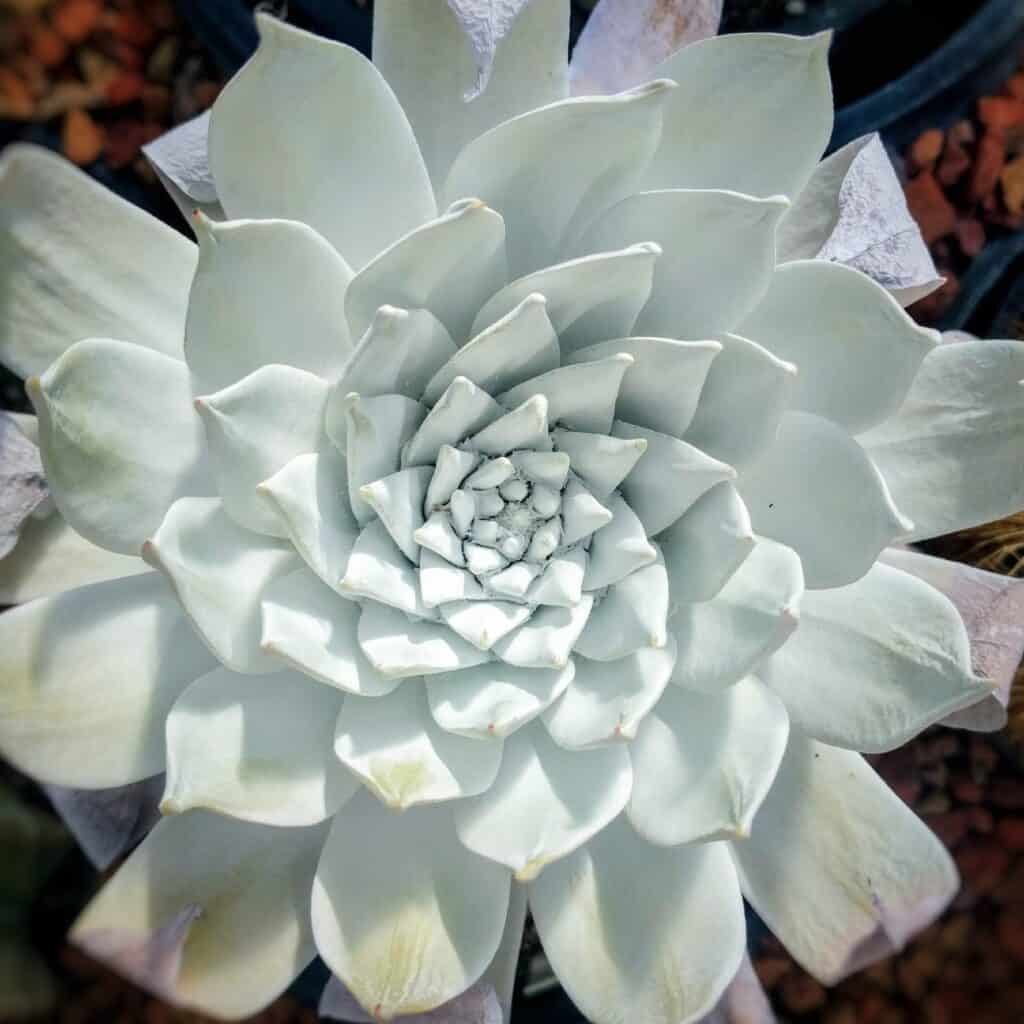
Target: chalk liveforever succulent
[515, 470]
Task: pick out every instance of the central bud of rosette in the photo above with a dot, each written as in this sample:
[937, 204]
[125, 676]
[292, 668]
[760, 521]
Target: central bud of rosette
[503, 523]
[505, 526]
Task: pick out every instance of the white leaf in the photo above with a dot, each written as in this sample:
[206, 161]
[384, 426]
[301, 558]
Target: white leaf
[853, 211]
[87, 683]
[486, 23]
[625, 40]
[22, 486]
[209, 913]
[951, 455]
[403, 914]
[642, 933]
[837, 866]
[181, 155]
[992, 609]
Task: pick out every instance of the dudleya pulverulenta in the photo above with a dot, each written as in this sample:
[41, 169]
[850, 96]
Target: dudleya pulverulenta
[515, 474]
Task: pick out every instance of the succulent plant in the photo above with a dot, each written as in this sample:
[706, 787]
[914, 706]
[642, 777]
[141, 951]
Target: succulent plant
[516, 474]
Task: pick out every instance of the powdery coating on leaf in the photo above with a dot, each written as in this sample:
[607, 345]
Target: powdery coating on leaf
[853, 211]
[992, 607]
[624, 40]
[477, 1005]
[22, 485]
[181, 154]
[486, 23]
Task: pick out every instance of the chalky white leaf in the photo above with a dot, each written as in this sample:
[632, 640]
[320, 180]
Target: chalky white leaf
[874, 663]
[703, 763]
[391, 888]
[543, 804]
[229, 751]
[612, 917]
[219, 572]
[237, 895]
[119, 272]
[119, 440]
[838, 866]
[624, 40]
[109, 668]
[269, 120]
[853, 211]
[240, 311]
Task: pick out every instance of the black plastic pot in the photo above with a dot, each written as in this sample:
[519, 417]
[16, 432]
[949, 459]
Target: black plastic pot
[991, 299]
[979, 52]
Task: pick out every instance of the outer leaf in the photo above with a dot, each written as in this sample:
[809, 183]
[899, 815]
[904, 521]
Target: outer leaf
[837, 865]
[477, 1005]
[119, 439]
[485, 24]
[854, 370]
[874, 663]
[853, 211]
[282, 137]
[992, 609]
[209, 913]
[181, 157]
[753, 113]
[624, 40]
[633, 929]
[744, 1000]
[951, 456]
[403, 915]
[89, 677]
[256, 749]
[50, 558]
[108, 823]
[114, 270]
[22, 486]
